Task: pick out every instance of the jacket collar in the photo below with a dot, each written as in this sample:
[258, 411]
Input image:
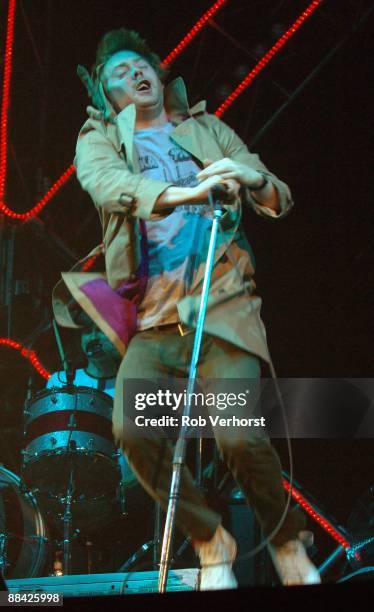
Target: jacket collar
[176, 102]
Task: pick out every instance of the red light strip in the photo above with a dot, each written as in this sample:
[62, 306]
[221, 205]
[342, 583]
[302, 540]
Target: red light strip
[316, 516]
[8, 55]
[90, 262]
[170, 58]
[45, 199]
[5, 106]
[30, 355]
[267, 57]
[193, 32]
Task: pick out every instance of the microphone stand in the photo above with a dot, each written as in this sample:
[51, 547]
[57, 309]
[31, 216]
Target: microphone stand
[217, 192]
[69, 370]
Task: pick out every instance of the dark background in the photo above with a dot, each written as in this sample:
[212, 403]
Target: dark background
[313, 268]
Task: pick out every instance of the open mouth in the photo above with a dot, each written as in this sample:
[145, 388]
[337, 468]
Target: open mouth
[143, 85]
[93, 348]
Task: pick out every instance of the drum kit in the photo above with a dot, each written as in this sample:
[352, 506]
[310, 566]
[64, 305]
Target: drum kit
[73, 479]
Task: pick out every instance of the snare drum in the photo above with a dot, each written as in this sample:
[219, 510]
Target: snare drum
[70, 428]
[23, 535]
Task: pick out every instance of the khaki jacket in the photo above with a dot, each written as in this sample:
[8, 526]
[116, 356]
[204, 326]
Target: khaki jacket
[107, 168]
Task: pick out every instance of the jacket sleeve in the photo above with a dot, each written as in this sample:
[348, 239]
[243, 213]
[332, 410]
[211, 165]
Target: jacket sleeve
[234, 148]
[103, 173]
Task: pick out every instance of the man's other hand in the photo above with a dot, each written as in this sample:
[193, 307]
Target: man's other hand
[229, 169]
[233, 188]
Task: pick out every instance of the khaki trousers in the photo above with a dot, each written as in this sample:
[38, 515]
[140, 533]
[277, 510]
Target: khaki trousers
[254, 463]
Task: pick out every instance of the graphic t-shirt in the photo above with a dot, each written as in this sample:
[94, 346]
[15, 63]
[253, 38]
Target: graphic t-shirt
[174, 240]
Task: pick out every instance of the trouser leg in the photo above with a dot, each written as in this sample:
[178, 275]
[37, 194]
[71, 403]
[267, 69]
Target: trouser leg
[248, 453]
[256, 468]
[152, 355]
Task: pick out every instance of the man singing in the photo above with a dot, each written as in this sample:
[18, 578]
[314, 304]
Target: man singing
[148, 161]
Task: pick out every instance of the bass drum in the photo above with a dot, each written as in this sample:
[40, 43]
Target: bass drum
[23, 535]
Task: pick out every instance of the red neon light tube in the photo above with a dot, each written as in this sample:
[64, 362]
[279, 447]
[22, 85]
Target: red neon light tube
[170, 58]
[45, 199]
[5, 102]
[316, 515]
[193, 32]
[28, 354]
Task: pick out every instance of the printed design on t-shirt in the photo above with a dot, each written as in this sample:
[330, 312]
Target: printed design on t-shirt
[194, 209]
[177, 154]
[189, 180]
[147, 162]
[180, 156]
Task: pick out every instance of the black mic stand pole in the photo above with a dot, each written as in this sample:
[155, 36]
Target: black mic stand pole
[181, 445]
[69, 371]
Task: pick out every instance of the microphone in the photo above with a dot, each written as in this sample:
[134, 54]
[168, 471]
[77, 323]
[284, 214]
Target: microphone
[70, 372]
[220, 192]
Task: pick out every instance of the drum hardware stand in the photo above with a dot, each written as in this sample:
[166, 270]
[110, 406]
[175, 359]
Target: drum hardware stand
[3, 553]
[155, 544]
[26, 412]
[68, 522]
[157, 536]
[70, 448]
[122, 497]
[216, 193]
[68, 518]
[136, 556]
[121, 486]
[89, 556]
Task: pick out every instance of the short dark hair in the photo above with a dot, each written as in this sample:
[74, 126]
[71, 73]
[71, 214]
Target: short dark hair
[125, 40]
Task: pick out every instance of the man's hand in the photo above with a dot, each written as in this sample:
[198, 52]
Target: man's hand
[201, 191]
[229, 169]
[175, 196]
[232, 185]
[240, 174]
[233, 188]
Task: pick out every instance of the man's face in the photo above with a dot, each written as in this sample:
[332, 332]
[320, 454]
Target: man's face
[96, 346]
[128, 78]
